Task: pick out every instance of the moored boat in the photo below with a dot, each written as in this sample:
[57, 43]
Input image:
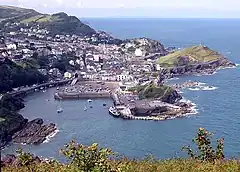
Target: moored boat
[113, 111]
[60, 110]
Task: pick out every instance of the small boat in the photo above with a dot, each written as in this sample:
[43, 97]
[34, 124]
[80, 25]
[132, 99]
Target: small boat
[89, 100]
[36, 90]
[91, 107]
[113, 111]
[44, 91]
[85, 108]
[57, 88]
[41, 88]
[104, 104]
[60, 110]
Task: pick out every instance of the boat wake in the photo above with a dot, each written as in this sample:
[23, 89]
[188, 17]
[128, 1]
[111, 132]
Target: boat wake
[48, 138]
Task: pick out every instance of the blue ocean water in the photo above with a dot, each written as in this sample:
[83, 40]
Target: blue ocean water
[218, 110]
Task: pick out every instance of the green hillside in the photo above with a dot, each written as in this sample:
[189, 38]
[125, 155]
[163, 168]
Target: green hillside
[59, 23]
[191, 55]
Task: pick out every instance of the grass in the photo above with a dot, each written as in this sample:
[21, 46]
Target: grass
[125, 165]
[32, 19]
[196, 54]
[40, 19]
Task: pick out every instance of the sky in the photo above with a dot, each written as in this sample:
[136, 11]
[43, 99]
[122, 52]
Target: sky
[135, 8]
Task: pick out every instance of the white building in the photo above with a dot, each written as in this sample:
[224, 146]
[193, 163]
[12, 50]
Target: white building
[67, 75]
[71, 62]
[138, 52]
[12, 46]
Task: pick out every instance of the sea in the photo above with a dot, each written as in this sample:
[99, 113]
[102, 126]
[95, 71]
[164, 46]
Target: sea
[217, 100]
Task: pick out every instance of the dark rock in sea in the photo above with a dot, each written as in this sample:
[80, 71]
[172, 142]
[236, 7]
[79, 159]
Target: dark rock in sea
[34, 132]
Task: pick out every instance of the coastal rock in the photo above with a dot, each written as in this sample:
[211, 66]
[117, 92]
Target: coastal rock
[34, 132]
[11, 123]
[193, 60]
[172, 98]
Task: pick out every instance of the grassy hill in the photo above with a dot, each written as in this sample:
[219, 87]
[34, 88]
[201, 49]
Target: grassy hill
[187, 56]
[59, 23]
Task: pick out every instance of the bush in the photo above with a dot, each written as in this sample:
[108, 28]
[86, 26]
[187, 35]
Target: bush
[88, 158]
[205, 150]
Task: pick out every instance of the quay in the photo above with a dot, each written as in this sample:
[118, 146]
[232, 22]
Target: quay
[28, 90]
[87, 89]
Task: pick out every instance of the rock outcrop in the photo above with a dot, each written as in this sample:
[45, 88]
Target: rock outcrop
[14, 127]
[193, 60]
[34, 132]
[202, 68]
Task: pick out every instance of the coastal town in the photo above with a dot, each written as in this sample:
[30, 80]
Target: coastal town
[96, 59]
[82, 63]
[100, 66]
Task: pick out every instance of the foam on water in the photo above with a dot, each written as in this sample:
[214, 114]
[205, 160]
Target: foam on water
[194, 109]
[172, 79]
[203, 88]
[194, 89]
[209, 88]
[48, 138]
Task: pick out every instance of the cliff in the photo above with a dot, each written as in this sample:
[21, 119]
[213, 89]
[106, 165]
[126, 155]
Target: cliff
[14, 127]
[194, 59]
[59, 23]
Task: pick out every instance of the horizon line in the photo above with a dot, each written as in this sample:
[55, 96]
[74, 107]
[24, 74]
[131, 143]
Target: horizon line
[149, 17]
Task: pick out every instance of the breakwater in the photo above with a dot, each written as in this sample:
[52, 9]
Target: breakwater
[68, 96]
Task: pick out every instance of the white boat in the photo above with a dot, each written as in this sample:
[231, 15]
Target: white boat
[113, 111]
[85, 108]
[44, 91]
[60, 110]
[89, 100]
[57, 88]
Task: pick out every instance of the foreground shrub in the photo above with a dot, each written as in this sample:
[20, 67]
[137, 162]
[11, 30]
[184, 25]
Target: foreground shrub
[205, 150]
[88, 158]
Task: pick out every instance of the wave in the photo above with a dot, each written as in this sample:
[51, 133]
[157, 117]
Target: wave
[202, 83]
[194, 89]
[194, 109]
[48, 138]
[172, 79]
[209, 88]
[203, 88]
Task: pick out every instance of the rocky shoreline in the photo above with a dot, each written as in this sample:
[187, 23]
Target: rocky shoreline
[178, 110]
[15, 128]
[197, 69]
